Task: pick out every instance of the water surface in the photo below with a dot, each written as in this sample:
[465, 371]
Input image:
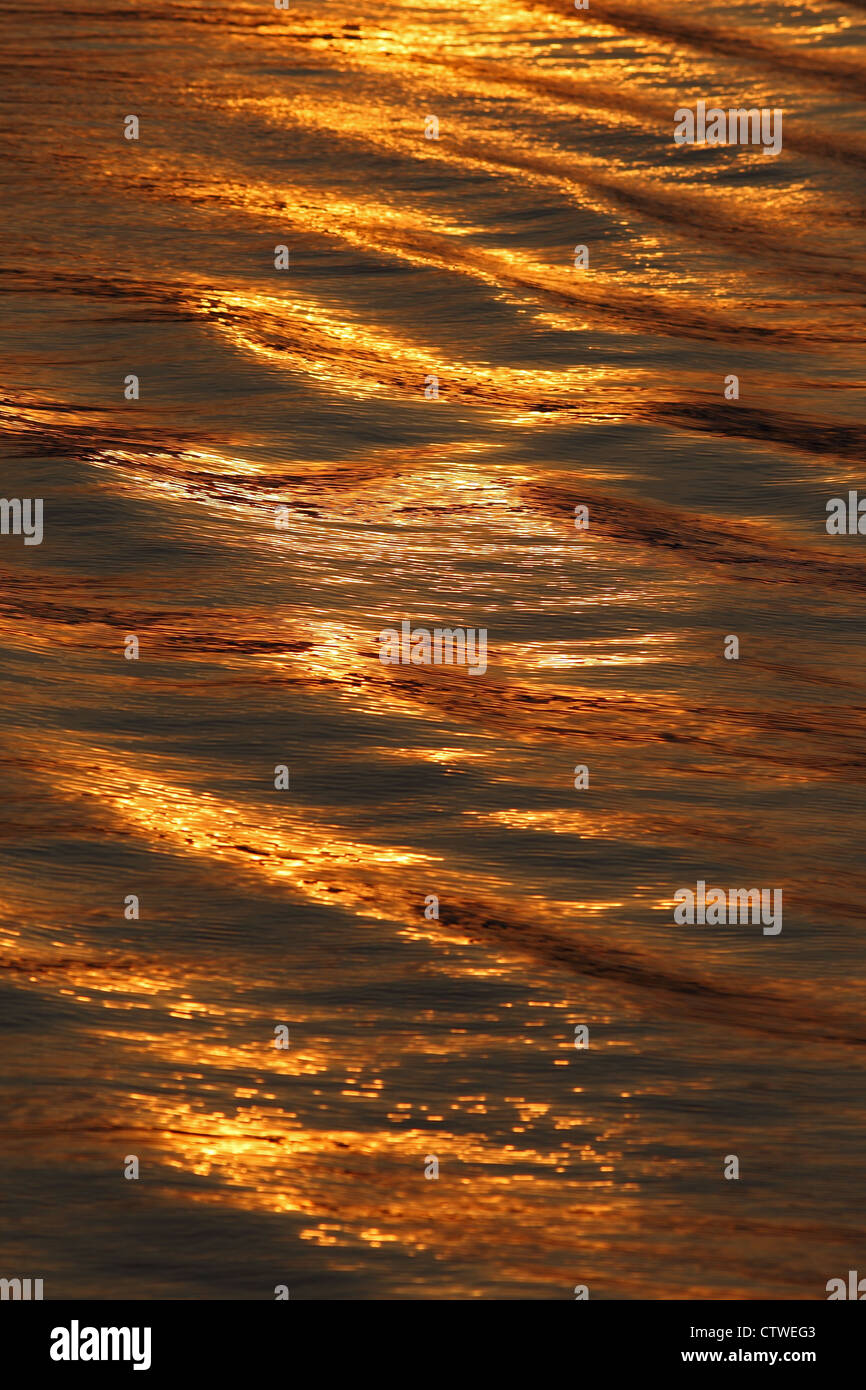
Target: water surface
[304, 389]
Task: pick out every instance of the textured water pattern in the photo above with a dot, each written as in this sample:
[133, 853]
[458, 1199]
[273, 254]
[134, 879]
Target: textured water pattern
[304, 389]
